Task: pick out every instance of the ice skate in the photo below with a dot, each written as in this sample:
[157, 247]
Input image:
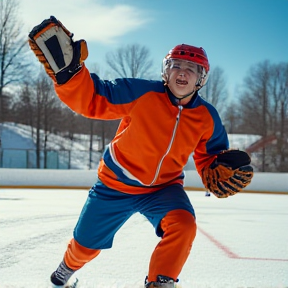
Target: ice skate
[61, 278]
[162, 285]
[72, 283]
[162, 282]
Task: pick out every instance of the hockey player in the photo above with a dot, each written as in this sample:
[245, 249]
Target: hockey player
[163, 122]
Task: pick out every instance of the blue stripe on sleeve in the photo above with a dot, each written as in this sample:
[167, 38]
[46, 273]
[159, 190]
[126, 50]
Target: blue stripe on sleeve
[219, 139]
[125, 90]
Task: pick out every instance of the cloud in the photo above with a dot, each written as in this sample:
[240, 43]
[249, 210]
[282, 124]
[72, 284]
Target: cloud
[87, 19]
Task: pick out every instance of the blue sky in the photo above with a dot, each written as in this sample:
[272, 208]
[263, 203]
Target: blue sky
[236, 34]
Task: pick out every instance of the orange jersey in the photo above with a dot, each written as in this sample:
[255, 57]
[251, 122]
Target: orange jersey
[155, 137]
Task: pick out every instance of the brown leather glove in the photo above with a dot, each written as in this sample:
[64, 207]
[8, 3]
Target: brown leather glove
[229, 173]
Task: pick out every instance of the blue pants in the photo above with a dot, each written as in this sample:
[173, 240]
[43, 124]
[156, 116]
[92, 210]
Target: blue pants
[106, 210]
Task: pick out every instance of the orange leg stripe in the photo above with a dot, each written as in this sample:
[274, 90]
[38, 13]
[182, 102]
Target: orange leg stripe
[76, 255]
[171, 253]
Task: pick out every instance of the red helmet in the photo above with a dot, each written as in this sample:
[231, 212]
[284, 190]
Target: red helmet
[190, 53]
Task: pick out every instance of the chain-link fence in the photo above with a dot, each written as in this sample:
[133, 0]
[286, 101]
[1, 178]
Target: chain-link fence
[49, 159]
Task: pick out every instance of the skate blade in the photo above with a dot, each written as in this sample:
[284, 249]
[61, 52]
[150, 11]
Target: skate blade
[72, 284]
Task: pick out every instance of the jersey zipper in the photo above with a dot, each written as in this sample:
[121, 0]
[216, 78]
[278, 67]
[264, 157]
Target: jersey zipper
[169, 146]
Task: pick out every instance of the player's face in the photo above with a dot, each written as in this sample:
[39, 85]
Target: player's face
[183, 76]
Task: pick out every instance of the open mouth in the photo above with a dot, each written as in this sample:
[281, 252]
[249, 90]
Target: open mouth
[181, 82]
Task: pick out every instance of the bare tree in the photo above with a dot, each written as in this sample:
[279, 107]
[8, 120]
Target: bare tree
[215, 91]
[132, 61]
[12, 48]
[264, 103]
[37, 106]
[279, 90]
[255, 112]
[231, 117]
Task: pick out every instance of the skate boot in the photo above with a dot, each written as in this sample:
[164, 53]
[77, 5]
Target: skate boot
[162, 282]
[61, 278]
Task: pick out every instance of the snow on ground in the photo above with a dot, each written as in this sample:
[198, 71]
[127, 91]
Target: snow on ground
[242, 242]
[242, 141]
[17, 138]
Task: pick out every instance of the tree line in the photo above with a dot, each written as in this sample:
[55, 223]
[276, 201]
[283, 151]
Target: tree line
[260, 107]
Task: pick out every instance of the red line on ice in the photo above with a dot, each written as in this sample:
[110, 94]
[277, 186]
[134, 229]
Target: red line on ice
[231, 254]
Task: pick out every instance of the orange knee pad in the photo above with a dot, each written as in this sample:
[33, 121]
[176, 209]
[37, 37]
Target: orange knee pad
[76, 255]
[171, 253]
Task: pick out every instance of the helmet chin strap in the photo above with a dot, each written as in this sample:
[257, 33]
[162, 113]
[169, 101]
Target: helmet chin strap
[179, 100]
[185, 96]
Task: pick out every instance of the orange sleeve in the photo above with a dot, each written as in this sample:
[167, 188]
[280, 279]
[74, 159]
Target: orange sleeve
[80, 95]
[71, 93]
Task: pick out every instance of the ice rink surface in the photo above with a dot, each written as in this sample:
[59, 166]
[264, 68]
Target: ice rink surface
[242, 242]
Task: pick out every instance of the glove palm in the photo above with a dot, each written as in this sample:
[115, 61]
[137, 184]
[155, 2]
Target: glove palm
[229, 173]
